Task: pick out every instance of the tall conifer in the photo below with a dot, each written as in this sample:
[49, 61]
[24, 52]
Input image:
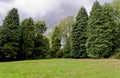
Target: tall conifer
[10, 35]
[93, 44]
[79, 34]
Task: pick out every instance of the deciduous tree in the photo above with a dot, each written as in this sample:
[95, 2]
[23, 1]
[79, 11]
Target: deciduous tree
[28, 37]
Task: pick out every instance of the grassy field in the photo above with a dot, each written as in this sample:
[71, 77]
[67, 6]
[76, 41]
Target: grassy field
[61, 68]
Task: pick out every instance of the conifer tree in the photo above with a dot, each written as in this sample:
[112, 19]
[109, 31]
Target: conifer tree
[10, 35]
[116, 8]
[109, 32]
[101, 32]
[95, 23]
[79, 34]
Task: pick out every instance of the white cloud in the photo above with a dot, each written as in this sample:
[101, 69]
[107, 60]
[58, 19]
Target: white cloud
[27, 8]
[85, 3]
[35, 7]
[4, 7]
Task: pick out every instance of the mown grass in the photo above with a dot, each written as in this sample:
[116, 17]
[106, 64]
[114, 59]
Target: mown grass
[61, 68]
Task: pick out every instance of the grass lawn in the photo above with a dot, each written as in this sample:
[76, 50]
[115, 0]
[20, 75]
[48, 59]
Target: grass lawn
[61, 68]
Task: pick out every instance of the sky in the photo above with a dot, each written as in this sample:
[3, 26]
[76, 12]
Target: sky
[51, 11]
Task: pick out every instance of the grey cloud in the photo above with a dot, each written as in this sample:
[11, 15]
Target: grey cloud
[67, 8]
[62, 9]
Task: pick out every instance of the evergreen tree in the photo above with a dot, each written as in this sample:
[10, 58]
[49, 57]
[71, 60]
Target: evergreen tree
[116, 7]
[27, 38]
[1, 54]
[0, 28]
[10, 35]
[79, 34]
[109, 31]
[93, 44]
[101, 32]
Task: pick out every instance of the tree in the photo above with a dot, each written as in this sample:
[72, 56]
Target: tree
[67, 48]
[66, 26]
[79, 34]
[101, 32]
[41, 48]
[40, 27]
[111, 31]
[10, 35]
[55, 40]
[27, 38]
[116, 7]
[1, 53]
[93, 44]
[0, 28]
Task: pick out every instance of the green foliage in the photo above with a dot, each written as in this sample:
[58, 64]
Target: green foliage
[112, 30]
[101, 32]
[1, 28]
[59, 53]
[79, 35]
[28, 37]
[59, 36]
[66, 26]
[67, 48]
[10, 35]
[45, 47]
[42, 47]
[116, 8]
[56, 40]
[40, 27]
[37, 47]
[94, 32]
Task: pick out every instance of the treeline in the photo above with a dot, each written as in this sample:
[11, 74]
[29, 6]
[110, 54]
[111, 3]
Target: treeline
[96, 35]
[90, 36]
